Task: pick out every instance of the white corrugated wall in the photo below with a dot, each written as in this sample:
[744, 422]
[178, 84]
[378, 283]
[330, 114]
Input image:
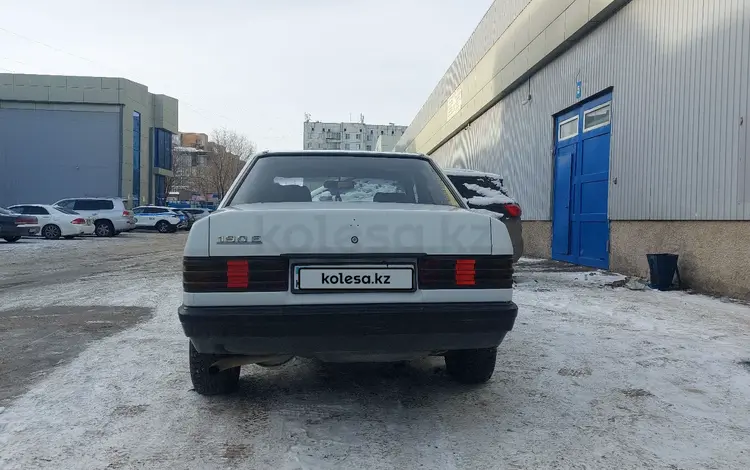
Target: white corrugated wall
[680, 72]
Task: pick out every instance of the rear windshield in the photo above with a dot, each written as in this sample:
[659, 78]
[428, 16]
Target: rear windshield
[343, 179]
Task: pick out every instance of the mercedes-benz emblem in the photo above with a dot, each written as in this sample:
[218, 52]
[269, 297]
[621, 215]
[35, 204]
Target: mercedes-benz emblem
[355, 239]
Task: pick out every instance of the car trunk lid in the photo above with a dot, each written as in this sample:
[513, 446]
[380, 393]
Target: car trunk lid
[347, 228]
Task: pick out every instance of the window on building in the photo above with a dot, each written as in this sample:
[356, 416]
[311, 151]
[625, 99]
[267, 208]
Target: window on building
[597, 117]
[136, 157]
[309, 145]
[568, 128]
[347, 136]
[370, 131]
[382, 133]
[162, 149]
[346, 147]
[393, 132]
[160, 190]
[369, 147]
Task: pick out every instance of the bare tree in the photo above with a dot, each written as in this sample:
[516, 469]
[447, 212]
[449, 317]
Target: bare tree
[228, 151]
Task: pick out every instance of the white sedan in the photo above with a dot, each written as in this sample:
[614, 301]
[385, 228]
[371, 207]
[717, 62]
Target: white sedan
[55, 221]
[401, 271]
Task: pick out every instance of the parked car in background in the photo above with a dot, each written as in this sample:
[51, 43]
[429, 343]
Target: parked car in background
[159, 218]
[198, 212]
[484, 192]
[190, 218]
[109, 215]
[56, 222]
[13, 226]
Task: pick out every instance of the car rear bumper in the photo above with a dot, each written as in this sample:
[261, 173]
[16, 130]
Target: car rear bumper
[310, 330]
[29, 230]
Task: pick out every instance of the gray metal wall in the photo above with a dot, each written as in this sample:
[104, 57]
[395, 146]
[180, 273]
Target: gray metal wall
[497, 19]
[680, 72]
[46, 155]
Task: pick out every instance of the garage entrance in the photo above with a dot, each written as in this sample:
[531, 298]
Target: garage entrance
[580, 225]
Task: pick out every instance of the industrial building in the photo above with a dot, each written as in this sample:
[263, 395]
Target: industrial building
[83, 136]
[621, 126]
[350, 135]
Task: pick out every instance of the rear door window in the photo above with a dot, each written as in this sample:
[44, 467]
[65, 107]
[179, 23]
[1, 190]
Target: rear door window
[35, 210]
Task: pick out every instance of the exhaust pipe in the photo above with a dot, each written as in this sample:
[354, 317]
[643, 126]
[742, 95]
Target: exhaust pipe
[235, 361]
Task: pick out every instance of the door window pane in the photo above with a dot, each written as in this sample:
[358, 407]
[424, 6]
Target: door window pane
[568, 129]
[597, 117]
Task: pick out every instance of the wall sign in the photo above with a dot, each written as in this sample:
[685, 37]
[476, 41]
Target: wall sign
[453, 106]
[578, 90]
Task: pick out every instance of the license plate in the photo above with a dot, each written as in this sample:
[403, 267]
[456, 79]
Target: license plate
[343, 278]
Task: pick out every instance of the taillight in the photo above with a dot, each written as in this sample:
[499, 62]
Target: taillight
[465, 272]
[238, 274]
[514, 210]
[461, 272]
[126, 213]
[26, 220]
[78, 221]
[252, 274]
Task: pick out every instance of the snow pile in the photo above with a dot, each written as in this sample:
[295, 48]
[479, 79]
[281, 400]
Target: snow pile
[487, 196]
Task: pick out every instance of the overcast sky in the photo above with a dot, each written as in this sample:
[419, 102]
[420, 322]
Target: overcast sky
[251, 65]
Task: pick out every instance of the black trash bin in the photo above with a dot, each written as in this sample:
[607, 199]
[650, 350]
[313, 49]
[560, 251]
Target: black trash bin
[662, 269]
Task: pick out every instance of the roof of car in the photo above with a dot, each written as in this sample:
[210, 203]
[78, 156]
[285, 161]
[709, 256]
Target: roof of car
[339, 153]
[467, 172]
[91, 198]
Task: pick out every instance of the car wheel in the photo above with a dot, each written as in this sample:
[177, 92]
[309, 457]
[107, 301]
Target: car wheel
[210, 382]
[471, 366]
[163, 226]
[51, 232]
[12, 239]
[104, 228]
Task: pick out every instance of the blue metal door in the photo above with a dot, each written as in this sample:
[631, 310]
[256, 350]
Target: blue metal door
[580, 224]
[561, 204]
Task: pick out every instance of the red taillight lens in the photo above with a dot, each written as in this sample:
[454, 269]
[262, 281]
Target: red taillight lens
[465, 272]
[238, 274]
[456, 272]
[26, 220]
[126, 213]
[78, 221]
[269, 274]
[514, 210]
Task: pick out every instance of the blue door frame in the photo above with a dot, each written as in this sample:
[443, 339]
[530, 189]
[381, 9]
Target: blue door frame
[580, 223]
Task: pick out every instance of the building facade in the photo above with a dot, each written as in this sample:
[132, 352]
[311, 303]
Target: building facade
[83, 136]
[347, 135]
[619, 125]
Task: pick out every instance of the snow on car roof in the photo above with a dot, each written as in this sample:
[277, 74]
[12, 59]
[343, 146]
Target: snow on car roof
[467, 172]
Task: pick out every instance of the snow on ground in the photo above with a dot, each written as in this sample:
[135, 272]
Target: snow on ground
[592, 377]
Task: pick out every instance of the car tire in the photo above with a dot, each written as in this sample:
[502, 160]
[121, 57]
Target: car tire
[163, 226]
[12, 239]
[471, 366]
[104, 228]
[51, 232]
[208, 382]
